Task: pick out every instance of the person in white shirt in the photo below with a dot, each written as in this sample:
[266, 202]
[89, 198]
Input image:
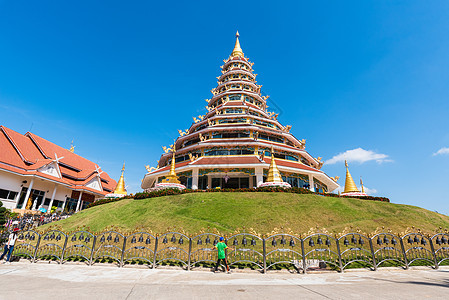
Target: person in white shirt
[9, 246]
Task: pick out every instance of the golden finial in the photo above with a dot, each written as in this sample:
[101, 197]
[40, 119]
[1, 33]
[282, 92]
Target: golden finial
[361, 183]
[72, 148]
[273, 172]
[350, 186]
[120, 187]
[237, 49]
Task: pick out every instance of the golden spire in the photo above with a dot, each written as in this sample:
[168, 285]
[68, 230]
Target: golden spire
[361, 183]
[120, 188]
[350, 186]
[237, 49]
[171, 177]
[273, 172]
[72, 148]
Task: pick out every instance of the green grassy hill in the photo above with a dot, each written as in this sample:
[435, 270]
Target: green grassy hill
[261, 211]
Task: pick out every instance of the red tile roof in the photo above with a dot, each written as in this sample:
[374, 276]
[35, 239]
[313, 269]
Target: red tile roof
[25, 154]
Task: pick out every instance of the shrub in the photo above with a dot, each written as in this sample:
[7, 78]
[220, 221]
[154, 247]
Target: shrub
[173, 191]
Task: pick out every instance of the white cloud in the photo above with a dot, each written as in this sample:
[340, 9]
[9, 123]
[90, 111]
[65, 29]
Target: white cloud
[444, 150]
[368, 191]
[358, 155]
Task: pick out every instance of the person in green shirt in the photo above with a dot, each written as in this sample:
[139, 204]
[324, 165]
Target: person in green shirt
[221, 246]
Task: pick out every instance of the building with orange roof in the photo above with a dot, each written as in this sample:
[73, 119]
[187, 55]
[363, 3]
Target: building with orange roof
[36, 173]
[232, 145]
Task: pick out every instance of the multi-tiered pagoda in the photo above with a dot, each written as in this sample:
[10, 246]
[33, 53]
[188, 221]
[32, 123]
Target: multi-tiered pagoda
[232, 145]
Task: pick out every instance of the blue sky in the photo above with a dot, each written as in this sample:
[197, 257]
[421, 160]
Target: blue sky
[120, 78]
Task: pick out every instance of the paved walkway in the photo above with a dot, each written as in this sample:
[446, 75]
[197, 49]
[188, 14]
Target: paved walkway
[22, 280]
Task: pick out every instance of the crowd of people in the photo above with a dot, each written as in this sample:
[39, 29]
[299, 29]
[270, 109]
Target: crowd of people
[15, 224]
[29, 221]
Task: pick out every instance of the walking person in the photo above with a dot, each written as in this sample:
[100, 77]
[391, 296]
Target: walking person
[9, 246]
[221, 246]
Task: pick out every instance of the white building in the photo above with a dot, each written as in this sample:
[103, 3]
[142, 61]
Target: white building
[36, 173]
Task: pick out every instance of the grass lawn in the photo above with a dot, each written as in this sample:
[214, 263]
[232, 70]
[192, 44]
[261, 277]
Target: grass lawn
[263, 212]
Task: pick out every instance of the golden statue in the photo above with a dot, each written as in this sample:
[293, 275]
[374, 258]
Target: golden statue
[29, 203]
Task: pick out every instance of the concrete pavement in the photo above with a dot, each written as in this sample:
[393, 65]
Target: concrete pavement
[75, 281]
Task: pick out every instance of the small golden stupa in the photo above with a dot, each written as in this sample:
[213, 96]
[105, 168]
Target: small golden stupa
[274, 178]
[171, 177]
[120, 188]
[273, 172]
[171, 181]
[350, 186]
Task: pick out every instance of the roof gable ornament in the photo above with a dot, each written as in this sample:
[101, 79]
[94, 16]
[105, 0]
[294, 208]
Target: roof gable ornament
[51, 169]
[57, 159]
[95, 184]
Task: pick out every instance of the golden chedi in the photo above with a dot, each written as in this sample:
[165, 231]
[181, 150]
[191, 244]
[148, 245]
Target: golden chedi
[171, 181]
[120, 189]
[350, 186]
[274, 178]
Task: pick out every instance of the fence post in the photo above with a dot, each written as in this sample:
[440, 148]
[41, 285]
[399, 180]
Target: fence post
[92, 252]
[190, 252]
[372, 253]
[155, 252]
[123, 251]
[433, 252]
[63, 249]
[339, 254]
[37, 247]
[264, 255]
[403, 252]
[303, 256]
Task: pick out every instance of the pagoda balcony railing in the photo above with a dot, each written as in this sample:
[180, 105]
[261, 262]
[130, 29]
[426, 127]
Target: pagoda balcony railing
[316, 251]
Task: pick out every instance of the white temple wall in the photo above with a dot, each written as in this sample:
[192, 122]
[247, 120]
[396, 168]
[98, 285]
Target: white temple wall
[10, 182]
[259, 175]
[195, 179]
[14, 182]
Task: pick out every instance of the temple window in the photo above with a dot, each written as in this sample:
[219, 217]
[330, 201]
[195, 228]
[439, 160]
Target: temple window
[254, 113]
[271, 138]
[280, 155]
[202, 126]
[305, 161]
[234, 110]
[238, 120]
[190, 142]
[225, 152]
[229, 135]
[235, 97]
[266, 124]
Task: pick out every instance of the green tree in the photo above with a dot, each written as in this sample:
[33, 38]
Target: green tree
[2, 214]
